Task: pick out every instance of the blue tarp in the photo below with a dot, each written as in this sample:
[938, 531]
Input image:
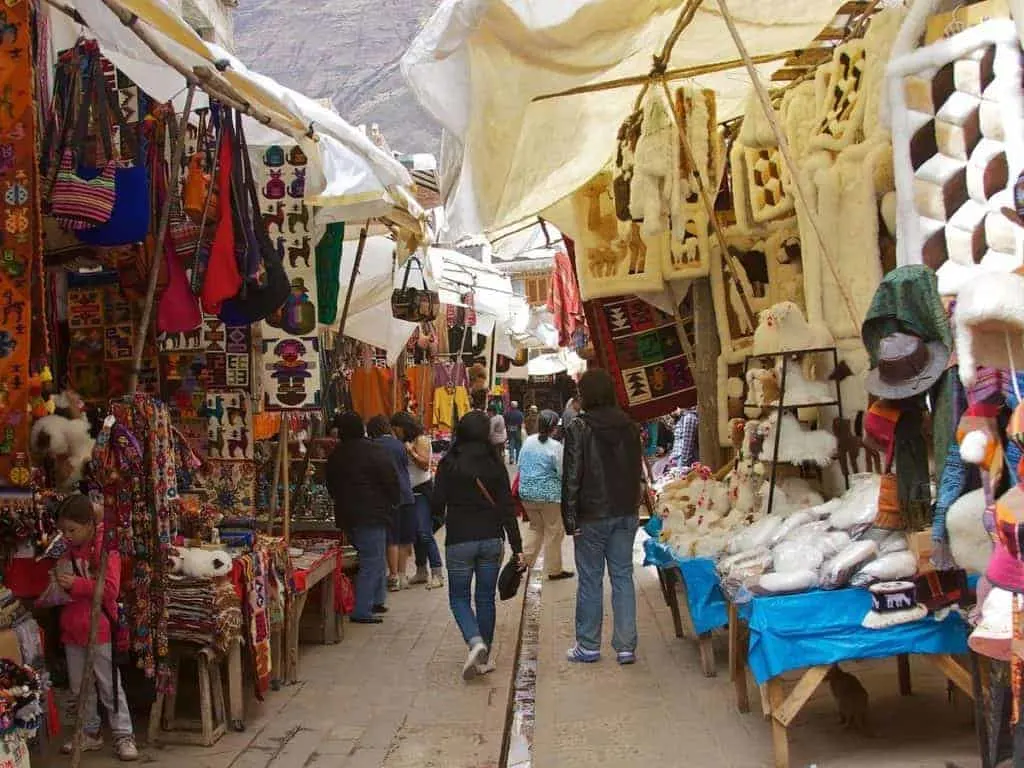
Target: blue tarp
[704, 594]
[814, 628]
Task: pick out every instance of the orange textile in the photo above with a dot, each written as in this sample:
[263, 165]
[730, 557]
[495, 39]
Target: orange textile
[22, 247]
[421, 382]
[371, 393]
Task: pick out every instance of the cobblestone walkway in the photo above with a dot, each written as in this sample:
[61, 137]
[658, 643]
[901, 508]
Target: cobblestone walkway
[391, 696]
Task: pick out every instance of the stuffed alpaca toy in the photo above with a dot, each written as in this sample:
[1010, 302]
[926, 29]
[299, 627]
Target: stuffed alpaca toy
[796, 444]
[64, 436]
[198, 563]
[800, 390]
[782, 328]
[655, 164]
[762, 386]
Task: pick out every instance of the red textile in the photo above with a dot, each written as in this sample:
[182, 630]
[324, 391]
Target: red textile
[74, 618]
[27, 577]
[564, 299]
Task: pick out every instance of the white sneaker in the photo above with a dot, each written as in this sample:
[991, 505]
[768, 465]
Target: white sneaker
[476, 656]
[486, 668]
[436, 582]
[126, 750]
[420, 577]
[91, 742]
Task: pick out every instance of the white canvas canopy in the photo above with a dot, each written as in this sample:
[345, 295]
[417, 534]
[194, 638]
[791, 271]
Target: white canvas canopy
[477, 65]
[346, 169]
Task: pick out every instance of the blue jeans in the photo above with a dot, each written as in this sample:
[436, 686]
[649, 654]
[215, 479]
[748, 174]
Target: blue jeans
[515, 444]
[425, 545]
[481, 559]
[608, 540]
[370, 542]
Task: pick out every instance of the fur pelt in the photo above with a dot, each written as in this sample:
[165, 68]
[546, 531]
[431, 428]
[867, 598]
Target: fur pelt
[756, 131]
[796, 444]
[989, 320]
[762, 386]
[655, 163]
[969, 542]
[801, 390]
[791, 495]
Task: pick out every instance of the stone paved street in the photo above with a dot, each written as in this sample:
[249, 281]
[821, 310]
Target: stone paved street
[391, 697]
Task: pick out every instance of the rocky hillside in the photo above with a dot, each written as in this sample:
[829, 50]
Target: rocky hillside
[345, 50]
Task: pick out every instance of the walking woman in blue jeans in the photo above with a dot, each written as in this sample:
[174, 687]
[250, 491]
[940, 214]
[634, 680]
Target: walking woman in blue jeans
[472, 495]
[601, 487]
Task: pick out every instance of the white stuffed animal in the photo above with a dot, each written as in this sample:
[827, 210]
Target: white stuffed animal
[969, 542]
[199, 563]
[783, 328]
[64, 437]
[791, 495]
[796, 444]
[801, 390]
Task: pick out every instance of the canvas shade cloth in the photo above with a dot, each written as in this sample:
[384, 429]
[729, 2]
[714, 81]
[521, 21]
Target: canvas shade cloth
[345, 166]
[477, 64]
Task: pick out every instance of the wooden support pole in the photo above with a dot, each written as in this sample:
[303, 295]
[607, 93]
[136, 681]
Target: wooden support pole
[87, 686]
[705, 375]
[352, 280]
[286, 529]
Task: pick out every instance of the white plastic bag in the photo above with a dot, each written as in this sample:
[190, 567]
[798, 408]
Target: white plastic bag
[837, 571]
[790, 524]
[784, 583]
[790, 557]
[896, 566]
[757, 535]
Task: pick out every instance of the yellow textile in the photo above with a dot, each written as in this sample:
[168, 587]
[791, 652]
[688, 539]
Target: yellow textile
[445, 400]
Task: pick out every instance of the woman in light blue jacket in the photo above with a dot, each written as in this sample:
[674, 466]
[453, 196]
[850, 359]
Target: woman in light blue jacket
[540, 488]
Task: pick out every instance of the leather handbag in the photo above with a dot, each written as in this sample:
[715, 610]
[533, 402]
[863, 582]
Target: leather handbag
[415, 305]
[265, 287]
[129, 219]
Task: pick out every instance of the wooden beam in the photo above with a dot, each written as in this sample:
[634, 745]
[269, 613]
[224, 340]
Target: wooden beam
[671, 74]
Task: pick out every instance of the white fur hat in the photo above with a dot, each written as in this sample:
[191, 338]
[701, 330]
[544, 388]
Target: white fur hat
[989, 317]
[993, 635]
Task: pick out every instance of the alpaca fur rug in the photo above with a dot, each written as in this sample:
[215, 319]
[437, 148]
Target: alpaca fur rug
[612, 257]
[689, 254]
[937, 217]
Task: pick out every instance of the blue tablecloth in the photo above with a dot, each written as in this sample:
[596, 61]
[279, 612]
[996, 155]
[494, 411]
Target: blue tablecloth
[814, 628]
[704, 595]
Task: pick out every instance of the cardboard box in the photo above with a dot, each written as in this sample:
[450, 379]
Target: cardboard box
[9, 648]
[920, 543]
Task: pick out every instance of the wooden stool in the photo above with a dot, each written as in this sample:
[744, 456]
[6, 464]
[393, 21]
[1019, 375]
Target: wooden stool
[163, 725]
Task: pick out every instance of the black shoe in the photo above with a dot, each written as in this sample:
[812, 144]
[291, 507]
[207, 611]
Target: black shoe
[560, 576]
[367, 620]
[380, 609]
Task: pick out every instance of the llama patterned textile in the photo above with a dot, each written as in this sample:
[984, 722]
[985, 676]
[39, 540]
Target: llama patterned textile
[291, 353]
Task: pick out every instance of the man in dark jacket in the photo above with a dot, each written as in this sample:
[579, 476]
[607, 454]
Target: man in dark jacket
[364, 485]
[601, 493]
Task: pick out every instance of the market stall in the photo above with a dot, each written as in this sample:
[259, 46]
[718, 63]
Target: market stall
[817, 243]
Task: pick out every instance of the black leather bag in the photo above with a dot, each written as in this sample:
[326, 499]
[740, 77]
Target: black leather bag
[416, 305]
[509, 579]
[261, 295]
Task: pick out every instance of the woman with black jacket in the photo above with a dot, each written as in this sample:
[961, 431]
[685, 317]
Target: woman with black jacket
[601, 492]
[473, 497]
[362, 481]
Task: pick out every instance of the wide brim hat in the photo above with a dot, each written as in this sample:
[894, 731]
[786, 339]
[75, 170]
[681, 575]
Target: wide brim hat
[994, 634]
[907, 366]
[893, 603]
[988, 321]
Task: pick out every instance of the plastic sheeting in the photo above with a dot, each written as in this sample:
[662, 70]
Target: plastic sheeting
[477, 64]
[815, 628]
[703, 592]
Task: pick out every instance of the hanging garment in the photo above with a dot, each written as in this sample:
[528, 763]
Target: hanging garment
[328, 268]
[421, 382]
[370, 389]
[450, 405]
[564, 300]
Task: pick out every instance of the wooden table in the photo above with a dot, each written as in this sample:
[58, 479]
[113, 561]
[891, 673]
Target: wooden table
[330, 628]
[782, 708]
[672, 586]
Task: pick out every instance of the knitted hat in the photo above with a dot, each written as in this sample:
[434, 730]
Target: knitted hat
[1006, 566]
[989, 319]
[892, 603]
[994, 634]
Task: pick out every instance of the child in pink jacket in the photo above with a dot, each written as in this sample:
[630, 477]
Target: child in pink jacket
[77, 520]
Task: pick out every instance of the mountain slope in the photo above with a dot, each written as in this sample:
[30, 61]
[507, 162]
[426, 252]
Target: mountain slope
[345, 50]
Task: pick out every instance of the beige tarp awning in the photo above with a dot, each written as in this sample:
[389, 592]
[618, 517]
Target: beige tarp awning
[477, 64]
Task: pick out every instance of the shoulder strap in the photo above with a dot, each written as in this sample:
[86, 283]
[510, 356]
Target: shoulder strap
[485, 492]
